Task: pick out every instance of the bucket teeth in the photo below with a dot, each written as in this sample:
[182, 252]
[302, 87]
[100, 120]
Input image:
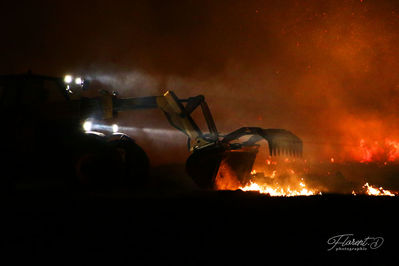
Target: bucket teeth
[281, 142]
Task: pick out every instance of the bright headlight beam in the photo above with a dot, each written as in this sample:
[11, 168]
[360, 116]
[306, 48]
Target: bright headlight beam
[68, 79]
[87, 125]
[78, 81]
[115, 128]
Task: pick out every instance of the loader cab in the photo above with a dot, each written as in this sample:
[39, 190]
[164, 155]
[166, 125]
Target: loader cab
[36, 110]
[28, 90]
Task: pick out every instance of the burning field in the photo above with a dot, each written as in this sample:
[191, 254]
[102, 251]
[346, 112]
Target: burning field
[279, 176]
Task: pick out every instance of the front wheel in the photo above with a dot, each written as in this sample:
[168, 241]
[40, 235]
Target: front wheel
[135, 163]
[103, 163]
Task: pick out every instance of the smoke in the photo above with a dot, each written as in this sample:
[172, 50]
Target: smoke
[133, 83]
[321, 69]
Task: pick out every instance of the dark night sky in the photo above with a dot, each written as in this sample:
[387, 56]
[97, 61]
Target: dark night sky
[326, 70]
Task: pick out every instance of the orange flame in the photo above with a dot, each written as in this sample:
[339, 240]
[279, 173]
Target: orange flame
[377, 151]
[370, 190]
[282, 180]
[277, 190]
[295, 186]
[226, 179]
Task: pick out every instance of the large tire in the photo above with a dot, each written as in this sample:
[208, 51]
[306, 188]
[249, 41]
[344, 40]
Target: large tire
[96, 164]
[135, 163]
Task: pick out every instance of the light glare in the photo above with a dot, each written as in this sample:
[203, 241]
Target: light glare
[87, 125]
[115, 128]
[68, 79]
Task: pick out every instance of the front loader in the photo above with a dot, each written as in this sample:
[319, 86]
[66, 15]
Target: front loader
[44, 116]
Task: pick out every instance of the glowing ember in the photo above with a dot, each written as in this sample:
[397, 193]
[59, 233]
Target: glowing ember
[273, 174]
[370, 190]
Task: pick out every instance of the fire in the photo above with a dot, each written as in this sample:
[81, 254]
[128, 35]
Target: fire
[225, 179]
[370, 190]
[393, 153]
[294, 178]
[273, 174]
[385, 151]
[278, 182]
[275, 182]
[277, 190]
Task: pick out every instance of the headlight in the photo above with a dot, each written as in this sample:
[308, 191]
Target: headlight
[115, 128]
[68, 79]
[78, 81]
[87, 125]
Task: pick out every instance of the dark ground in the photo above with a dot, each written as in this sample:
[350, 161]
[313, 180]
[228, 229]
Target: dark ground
[194, 227]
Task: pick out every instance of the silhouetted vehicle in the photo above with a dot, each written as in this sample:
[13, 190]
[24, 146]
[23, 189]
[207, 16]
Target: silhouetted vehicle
[44, 145]
[47, 134]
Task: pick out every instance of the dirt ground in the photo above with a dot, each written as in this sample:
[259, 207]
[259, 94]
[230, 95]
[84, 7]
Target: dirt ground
[171, 222]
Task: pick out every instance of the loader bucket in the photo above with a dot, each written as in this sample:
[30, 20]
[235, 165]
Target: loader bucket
[234, 166]
[203, 165]
[228, 164]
